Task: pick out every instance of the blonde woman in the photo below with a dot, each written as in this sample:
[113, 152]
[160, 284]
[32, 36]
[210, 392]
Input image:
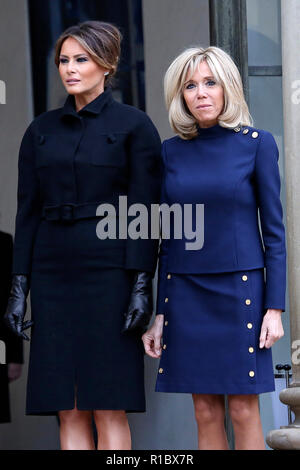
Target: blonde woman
[217, 314]
[73, 159]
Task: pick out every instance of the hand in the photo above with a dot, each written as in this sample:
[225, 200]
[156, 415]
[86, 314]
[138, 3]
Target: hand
[16, 307]
[14, 371]
[140, 306]
[271, 329]
[152, 337]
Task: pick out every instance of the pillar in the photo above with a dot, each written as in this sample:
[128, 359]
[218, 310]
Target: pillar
[228, 30]
[288, 437]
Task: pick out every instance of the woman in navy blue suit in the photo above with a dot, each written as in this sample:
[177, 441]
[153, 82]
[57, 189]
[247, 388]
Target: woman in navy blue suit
[219, 307]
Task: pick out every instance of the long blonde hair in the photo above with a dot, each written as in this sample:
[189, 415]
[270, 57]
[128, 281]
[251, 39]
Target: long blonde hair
[235, 112]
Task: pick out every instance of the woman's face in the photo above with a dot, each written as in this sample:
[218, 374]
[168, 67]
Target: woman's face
[80, 74]
[203, 96]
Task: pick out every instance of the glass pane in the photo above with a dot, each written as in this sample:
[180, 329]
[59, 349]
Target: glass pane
[266, 103]
[264, 32]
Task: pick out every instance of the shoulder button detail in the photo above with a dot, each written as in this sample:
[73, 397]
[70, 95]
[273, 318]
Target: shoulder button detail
[255, 135]
[245, 131]
[237, 129]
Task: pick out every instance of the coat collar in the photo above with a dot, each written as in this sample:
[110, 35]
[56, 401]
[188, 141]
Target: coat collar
[212, 132]
[94, 107]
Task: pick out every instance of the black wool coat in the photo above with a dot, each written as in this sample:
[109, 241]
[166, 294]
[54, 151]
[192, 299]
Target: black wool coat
[70, 162]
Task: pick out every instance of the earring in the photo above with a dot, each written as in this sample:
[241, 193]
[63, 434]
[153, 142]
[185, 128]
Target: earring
[106, 73]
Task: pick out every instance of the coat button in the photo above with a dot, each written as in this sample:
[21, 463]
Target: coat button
[160, 370]
[251, 350]
[41, 139]
[244, 277]
[166, 323]
[247, 301]
[251, 373]
[237, 129]
[245, 131]
[111, 138]
[249, 326]
[166, 300]
[254, 135]
[164, 346]
[169, 276]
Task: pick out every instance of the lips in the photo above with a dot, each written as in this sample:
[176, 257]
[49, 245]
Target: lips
[204, 106]
[73, 80]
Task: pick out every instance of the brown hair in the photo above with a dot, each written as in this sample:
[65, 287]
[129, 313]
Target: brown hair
[101, 40]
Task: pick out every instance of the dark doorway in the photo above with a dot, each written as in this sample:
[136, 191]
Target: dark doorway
[48, 19]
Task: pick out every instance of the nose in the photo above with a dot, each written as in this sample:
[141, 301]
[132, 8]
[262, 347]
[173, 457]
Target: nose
[71, 66]
[201, 91]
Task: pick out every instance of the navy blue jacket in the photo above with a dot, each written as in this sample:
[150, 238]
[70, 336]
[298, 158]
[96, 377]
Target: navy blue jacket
[233, 173]
[70, 162]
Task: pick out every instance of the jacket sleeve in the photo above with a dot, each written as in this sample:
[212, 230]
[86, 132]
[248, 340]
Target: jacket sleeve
[143, 188]
[267, 179]
[13, 343]
[163, 250]
[28, 206]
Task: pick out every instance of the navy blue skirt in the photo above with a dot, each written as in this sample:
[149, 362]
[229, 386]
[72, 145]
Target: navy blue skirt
[211, 335]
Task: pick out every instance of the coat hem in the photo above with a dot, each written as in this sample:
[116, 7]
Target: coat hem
[229, 269]
[213, 389]
[80, 408]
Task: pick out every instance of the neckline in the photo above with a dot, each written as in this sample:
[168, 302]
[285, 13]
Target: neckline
[212, 131]
[95, 106]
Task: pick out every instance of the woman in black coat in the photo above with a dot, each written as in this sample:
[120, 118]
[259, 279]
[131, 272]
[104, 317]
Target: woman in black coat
[72, 160]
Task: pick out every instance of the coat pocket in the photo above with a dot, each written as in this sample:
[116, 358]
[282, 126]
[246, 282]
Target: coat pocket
[109, 150]
[50, 148]
[40, 159]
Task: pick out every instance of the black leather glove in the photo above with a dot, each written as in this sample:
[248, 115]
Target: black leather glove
[17, 305]
[140, 307]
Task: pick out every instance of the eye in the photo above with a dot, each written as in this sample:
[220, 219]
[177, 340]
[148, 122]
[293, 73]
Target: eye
[63, 61]
[189, 86]
[211, 83]
[82, 59]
